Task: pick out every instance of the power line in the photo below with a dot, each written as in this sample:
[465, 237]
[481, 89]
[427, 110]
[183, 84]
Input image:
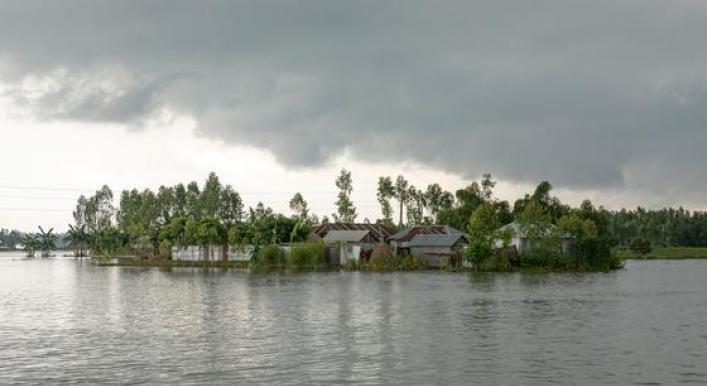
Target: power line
[38, 197]
[21, 187]
[293, 191]
[35, 210]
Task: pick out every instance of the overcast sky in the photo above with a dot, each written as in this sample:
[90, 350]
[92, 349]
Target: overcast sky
[605, 99]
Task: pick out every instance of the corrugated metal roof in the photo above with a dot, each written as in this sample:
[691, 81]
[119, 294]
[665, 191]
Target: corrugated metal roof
[518, 231]
[375, 229]
[345, 236]
[409, 233]
[435, 240]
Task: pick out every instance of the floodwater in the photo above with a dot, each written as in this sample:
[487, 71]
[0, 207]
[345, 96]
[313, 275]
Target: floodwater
[66, 321]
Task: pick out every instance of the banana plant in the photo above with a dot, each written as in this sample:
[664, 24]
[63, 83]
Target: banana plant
[79, 238]
[31, 243]
[47, 242]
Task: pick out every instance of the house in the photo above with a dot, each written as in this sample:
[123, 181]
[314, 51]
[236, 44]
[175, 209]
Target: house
[523, 243]
[379, 232]
[344, 245]
[399, 242]
[439, 250]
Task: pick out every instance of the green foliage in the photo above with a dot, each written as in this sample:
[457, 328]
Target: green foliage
[483, 230]
[641, 246]
[534, 222]
[596, 254]
[352, 265]
[498, 261]
[31, 244]
[665, 253]
[309, 254]
[46, 241]
[437, 201]
[299, 206]
[346, 211]
[300, 231]
[382, 263]
[412, 263]
[79, 239]
[271, 256]
[577, 227]
[400, 192]
[383, 260]
[544, 258]
[415, 205]
[10, 238]
[165, 250]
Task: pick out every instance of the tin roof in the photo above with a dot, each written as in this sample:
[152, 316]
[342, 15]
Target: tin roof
[409, 233]
[345, 236]
[436, 240]
[375, 229]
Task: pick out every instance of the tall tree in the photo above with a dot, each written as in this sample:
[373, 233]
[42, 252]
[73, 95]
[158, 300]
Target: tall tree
[437, 200]
[299, 206]
[230, 206]
[487, 185]
[180, 201]
[401, 194]
[415, 206]
[385, 192]
[211, 196]
[192, 200]
[166, 204]
[346, 211]
[483, 230]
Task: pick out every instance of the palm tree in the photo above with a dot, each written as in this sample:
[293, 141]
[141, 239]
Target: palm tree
[47, 242]
[30, 242]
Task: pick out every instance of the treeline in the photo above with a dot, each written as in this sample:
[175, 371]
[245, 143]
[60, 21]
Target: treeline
[10, 239]
[664, 227]
[150, 223]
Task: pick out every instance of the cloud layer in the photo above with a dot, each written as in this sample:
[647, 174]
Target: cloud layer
[589, 95]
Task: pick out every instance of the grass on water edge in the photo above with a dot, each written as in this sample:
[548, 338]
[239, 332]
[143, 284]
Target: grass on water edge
[665, 253]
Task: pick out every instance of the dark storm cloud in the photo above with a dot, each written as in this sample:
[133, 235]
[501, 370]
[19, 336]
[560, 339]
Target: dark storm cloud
[587, 94]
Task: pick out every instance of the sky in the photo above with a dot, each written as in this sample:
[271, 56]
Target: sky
[606, 99]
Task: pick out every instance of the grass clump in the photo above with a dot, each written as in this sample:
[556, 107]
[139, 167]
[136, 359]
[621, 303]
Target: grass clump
[307, 255]
[383, 260]
[271, 256]
[665, 253]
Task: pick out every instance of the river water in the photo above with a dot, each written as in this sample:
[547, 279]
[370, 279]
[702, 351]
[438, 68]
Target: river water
[63, 320]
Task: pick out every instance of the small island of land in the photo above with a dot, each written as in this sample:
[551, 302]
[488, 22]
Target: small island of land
[470, 230]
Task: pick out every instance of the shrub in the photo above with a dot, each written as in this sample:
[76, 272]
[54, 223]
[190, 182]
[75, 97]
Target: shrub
[165, 250]
[476, 253]
[308, 254]
[497, 262]
[641, 246]
[544, 258]
[352, 265]
[595, 254]
[383, 263]
[271, 256]
[412, 263]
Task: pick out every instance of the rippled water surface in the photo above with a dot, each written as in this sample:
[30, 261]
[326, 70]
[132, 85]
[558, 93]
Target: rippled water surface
[66, 321]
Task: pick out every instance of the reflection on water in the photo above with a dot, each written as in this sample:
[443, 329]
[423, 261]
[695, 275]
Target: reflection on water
[67, 321]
